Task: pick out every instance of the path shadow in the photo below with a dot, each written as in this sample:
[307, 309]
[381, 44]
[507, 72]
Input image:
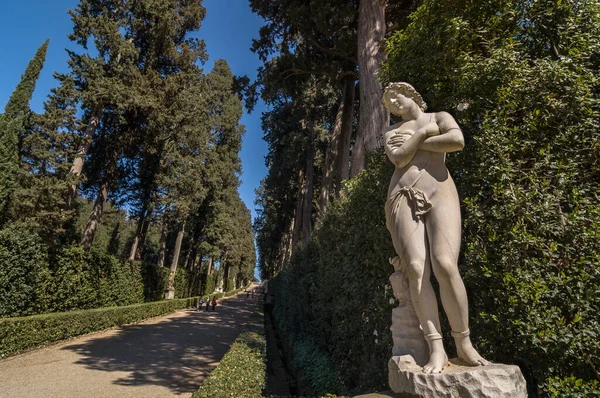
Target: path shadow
[176, 353]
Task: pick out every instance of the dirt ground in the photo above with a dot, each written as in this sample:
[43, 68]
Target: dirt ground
[163, 357]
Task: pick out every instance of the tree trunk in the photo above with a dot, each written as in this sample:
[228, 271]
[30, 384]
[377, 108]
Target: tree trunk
[331, 160]
[373, 116]
[210, 266]
[95, 216]
[77, 167]
[196, 268]
[288, 245]
[140, 234]
[162, 250]
[225, 278]
[171, 288]
[343, 160]
[307, 205]
[297, 230]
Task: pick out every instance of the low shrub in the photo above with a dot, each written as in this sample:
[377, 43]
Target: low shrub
[21, 333]
[18, 334]
[243, 370]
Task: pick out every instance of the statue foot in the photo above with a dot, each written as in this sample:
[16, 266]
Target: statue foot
[437, 362]
[465, 350]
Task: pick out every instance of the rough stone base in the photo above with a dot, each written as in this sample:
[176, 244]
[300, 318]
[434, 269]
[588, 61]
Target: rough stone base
[456, 380]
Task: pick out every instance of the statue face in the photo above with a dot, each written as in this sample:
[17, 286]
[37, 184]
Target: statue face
[399, 105]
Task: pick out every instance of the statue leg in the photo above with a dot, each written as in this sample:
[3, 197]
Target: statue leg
[410, 242]
[444, 235]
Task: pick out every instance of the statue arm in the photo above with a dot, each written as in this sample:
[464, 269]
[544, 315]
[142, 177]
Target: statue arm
[450, 138]
[401, 154]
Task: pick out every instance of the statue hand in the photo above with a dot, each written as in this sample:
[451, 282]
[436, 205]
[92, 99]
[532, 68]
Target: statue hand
[398, 139]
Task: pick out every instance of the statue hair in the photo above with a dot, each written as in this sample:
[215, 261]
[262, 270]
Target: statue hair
[405, 89]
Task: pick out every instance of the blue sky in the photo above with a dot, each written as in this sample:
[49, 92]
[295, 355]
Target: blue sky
[227, 30]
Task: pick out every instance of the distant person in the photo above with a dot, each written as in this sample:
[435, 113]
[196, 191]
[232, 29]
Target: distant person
[214, 303]
[200, 303]
[207, 305]
[247, 293]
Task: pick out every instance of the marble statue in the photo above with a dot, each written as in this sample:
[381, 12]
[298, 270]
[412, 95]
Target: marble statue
[423, 216]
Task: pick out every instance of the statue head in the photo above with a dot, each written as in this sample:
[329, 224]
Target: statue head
[400, 88]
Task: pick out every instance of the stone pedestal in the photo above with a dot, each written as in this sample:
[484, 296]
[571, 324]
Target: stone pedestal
[456, 380]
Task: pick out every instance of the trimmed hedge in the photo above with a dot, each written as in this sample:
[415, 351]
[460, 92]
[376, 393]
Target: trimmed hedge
[24, 273]
[23, 333]
[241, 373]
[243, 370]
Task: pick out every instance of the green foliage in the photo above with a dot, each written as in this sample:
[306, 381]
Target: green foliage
[524, 78]
[572, 387]
[24, 273]
[22, 333]
[210, 284]
[13, 123]
[334, 294]
[91, 280]
[317, 370]
[120, 283]
[167, 135]
[229, 284]
[155, 280]
[242, 371]
[182, 283]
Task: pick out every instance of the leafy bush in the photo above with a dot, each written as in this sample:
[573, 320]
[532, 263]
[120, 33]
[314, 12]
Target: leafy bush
[572, 387]
[210, 284]
[528, 103]
[182, 282]
[243, 370]
[229, 285]
[91, 280]
[155, 280]
[22, 333]
[334, 295]
[120, 283]
[24, 273]
[522, 80]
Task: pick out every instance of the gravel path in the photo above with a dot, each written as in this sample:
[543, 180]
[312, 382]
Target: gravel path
[163, 357]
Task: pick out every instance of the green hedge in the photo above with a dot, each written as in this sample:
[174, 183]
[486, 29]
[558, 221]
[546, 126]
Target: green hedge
[332, 301]
[243, 370]
[24, 273]
[22, 333]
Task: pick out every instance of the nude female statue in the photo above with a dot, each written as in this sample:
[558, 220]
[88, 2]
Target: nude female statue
[423, 217]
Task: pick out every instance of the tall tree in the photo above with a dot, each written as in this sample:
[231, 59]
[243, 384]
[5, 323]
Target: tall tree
[13, 123]
[373, 117]
[207, 181]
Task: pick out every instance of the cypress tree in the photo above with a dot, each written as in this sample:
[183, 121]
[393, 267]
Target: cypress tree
[13, 123]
